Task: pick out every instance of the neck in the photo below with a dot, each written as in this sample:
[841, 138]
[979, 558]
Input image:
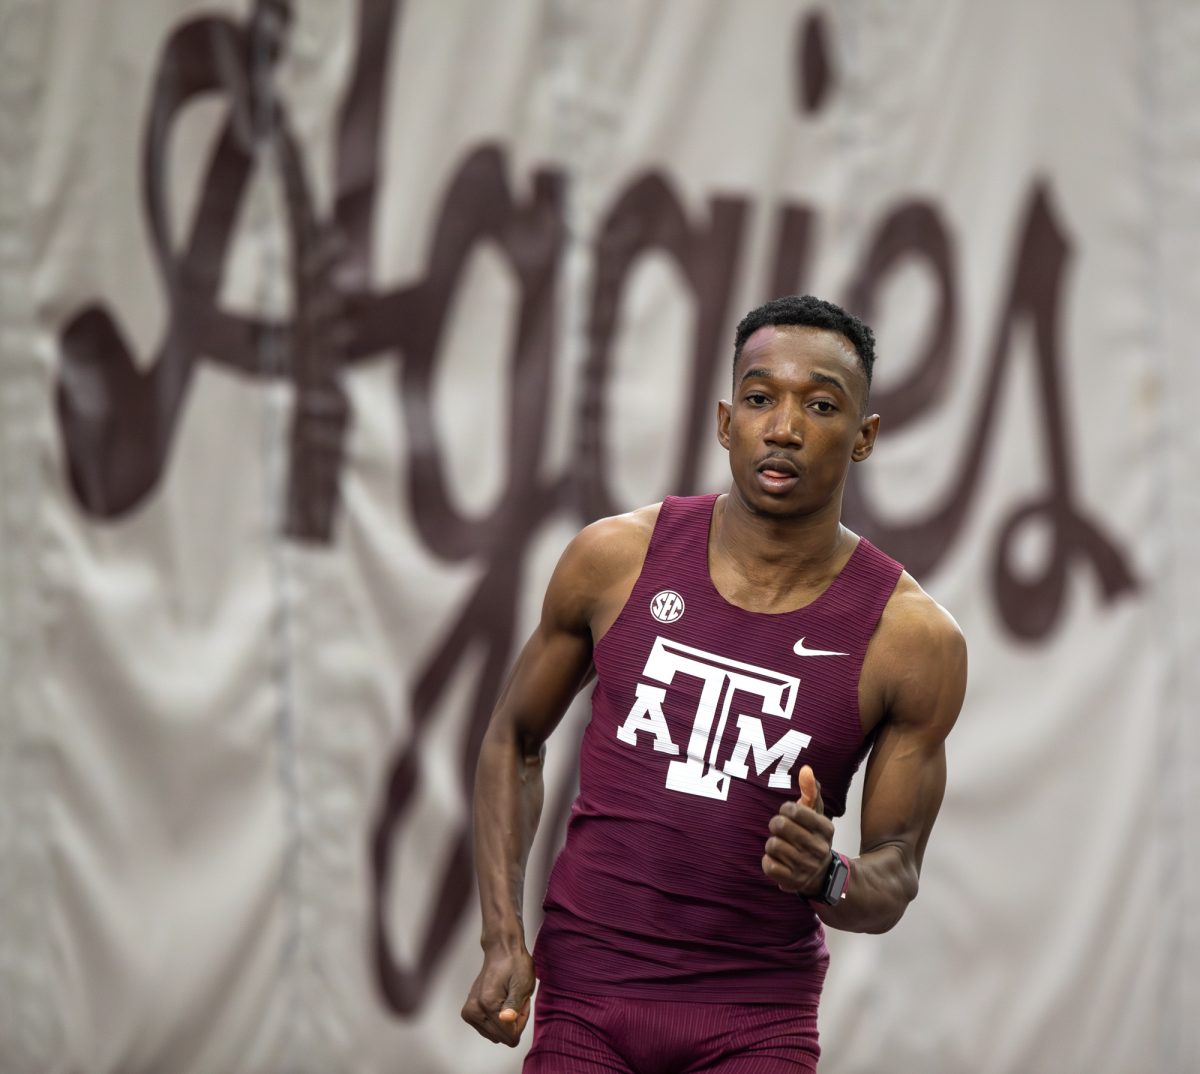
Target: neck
[780, 552]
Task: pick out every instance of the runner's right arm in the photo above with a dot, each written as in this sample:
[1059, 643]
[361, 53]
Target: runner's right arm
[585, 594]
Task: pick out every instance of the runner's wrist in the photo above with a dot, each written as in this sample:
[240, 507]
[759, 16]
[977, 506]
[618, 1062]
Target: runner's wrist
[835, 881]
[508, 939]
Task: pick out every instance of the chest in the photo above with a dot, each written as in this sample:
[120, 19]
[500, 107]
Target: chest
[704, 696]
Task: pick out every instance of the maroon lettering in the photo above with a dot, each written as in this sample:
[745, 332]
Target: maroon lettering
[649, 216]
[1031, 607]
[479, 207]
[117, 416]
[793, 251]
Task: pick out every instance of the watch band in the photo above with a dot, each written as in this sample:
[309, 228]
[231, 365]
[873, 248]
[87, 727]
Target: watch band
[837, 880]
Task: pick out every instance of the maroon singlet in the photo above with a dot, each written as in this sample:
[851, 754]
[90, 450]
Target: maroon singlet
[702, 716]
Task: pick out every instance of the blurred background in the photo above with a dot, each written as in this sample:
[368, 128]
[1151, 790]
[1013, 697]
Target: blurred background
[325, 324]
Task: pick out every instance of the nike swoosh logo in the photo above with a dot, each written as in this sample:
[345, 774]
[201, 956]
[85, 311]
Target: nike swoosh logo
[800, 650]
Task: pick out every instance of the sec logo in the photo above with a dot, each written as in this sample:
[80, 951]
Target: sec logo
[667, 606]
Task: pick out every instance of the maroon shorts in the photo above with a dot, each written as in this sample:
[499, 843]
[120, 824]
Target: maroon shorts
[574, 1034]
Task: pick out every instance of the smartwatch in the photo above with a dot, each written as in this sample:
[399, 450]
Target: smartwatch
[837, 880]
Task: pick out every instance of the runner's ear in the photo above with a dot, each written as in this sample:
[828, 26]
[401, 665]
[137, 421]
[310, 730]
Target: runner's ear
[724, 414]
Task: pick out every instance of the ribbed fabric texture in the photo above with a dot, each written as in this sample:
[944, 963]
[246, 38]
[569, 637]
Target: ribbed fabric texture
[702, 716]
[622, 1035]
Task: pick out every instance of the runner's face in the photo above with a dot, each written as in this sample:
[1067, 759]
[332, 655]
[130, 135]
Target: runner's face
[796, 420]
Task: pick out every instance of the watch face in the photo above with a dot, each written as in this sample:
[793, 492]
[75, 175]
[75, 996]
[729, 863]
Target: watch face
[835, 881]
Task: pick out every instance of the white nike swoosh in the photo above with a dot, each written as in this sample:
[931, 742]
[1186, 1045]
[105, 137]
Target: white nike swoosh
[800, 650]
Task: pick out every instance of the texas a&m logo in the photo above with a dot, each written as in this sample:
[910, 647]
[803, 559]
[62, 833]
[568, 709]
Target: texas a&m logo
[722, 680]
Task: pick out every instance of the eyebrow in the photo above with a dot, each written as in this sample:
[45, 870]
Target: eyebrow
[825, 378]
[758, 372]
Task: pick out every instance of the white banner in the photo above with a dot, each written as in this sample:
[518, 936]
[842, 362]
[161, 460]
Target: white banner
[323, 327]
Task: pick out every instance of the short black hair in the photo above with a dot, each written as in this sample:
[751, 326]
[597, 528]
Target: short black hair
[809, 312]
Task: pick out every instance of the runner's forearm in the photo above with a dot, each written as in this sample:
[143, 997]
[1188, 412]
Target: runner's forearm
[883, 881]
[507, 807]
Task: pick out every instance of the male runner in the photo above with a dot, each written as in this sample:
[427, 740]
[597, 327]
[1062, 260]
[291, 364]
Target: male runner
[749, 650]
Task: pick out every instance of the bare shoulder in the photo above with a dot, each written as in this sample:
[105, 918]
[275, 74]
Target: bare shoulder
[913, 620]
[599, 567]
[614, 545]
[919, 657]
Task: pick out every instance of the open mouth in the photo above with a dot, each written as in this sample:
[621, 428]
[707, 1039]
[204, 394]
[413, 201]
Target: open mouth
[777, 475]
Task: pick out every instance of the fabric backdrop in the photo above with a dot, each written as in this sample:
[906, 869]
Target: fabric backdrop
[324, 325]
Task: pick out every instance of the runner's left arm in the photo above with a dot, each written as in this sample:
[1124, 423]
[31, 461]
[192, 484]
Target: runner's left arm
[923, 663]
